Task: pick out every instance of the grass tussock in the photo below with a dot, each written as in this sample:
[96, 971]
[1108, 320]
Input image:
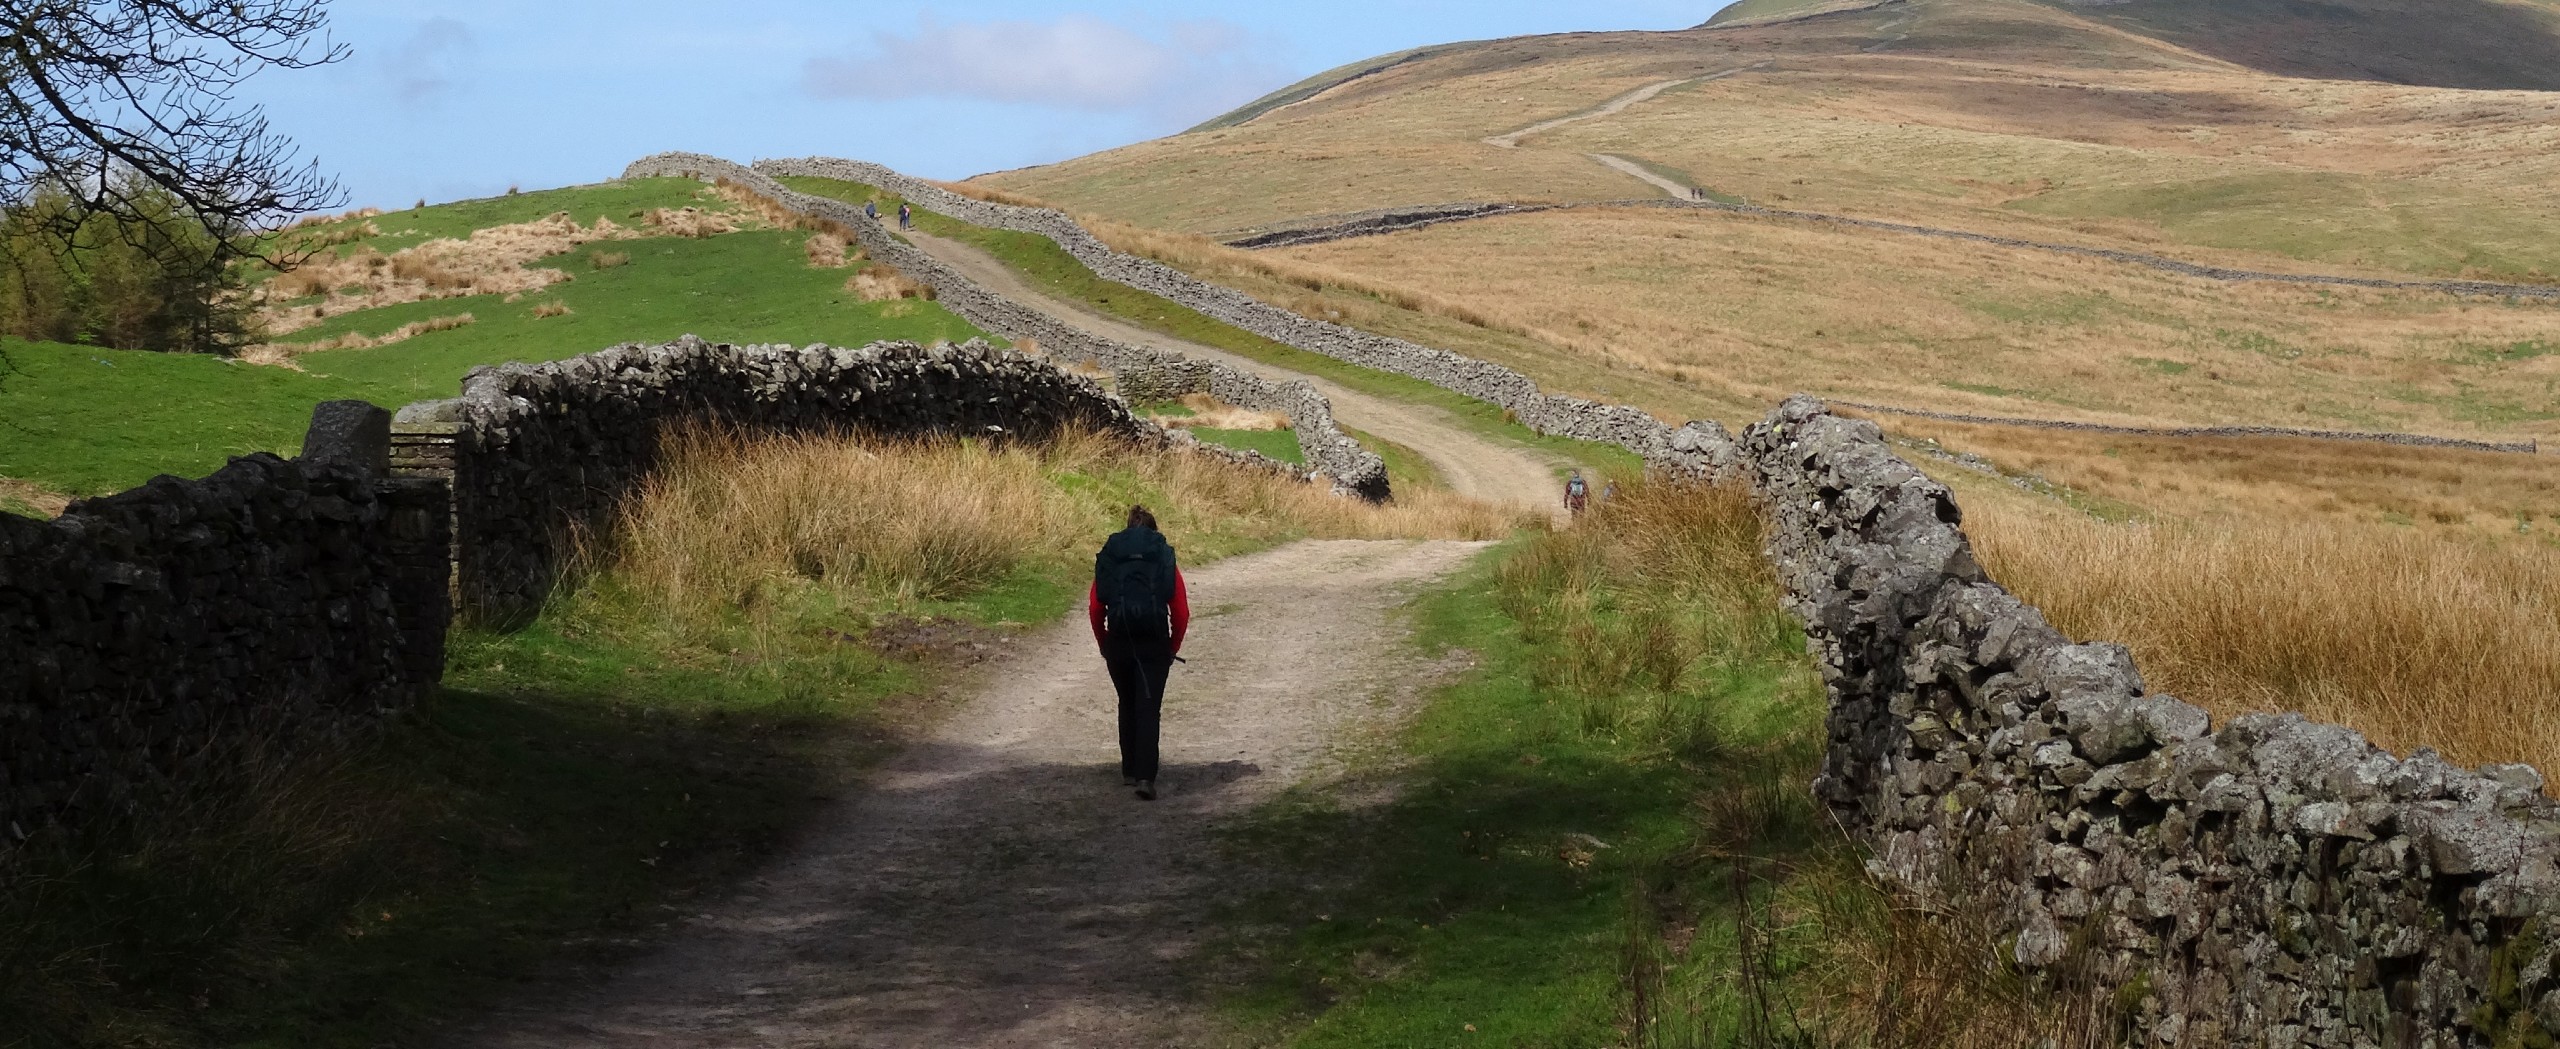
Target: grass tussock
[733, 522]
[493, 261]
[829, 251]
[692, 222]
[1204, 412]
[552, 308]
[877, 283]
[283, 353]
[2416, 639]
[30, 500]
[605, 260]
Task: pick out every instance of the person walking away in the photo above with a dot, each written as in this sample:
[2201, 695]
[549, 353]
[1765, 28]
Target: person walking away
[1577, 493]
[1140, 610]
[906, 216]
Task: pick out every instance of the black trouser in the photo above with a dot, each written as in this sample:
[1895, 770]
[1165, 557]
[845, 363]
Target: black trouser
[1138, 670]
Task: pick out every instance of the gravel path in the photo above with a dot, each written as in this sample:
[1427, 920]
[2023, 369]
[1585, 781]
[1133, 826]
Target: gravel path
[994, 885]
[1469, 462]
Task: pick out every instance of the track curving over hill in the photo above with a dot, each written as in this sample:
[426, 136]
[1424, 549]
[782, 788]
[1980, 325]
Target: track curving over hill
[1469, 463]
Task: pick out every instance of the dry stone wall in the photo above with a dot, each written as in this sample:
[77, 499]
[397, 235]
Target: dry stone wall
[1574, 417]
[1351, 468]
[2274, 883]
[545, 452]
[156, 635]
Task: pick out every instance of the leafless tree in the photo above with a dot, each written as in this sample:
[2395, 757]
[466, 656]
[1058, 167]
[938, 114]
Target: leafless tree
[113, 101]
[101, 88]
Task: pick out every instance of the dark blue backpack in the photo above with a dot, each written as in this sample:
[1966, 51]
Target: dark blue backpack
[1133, 578]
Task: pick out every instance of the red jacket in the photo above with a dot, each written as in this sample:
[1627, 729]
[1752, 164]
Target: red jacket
[1181, 610]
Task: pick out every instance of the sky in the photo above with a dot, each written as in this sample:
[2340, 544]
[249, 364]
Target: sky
[447, 99]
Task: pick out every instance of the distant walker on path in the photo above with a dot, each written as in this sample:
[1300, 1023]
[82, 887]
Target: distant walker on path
[906, 216]
[1140, 609]
[1577, 493]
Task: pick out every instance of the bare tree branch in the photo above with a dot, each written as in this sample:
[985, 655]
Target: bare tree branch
[125, 107]
[100, 89]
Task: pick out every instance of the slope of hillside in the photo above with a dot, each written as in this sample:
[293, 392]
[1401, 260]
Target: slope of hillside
[2484, 44]
[2049, 122]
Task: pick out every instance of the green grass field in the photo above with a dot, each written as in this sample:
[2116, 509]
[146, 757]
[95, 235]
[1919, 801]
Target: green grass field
[622, 201]
[85, 421]
[747, 287]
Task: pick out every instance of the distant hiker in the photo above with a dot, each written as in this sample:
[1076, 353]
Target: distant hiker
[1577, 493]
[1608, 493]
[906, 216]
[1140, 610]
[871, 210]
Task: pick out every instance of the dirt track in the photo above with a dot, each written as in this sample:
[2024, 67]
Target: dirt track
[994, 885]
[1470, 463]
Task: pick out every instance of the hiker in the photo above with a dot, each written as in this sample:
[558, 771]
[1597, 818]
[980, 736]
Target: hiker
[1577, 493]
[1608, 493]
[871, 210]
[906, 216]
[1140, 610]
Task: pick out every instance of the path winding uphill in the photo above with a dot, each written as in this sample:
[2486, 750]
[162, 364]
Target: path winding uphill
[1470, 463]
[995, 885]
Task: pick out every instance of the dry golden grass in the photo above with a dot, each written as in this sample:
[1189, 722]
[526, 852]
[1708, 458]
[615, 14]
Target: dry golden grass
[283, 353]
[876, 283]
[2483, 493]
[1209, 413]
[553, 308]
[691, 222]
[827, 251]
[32, 496]
[2416, 639]
[727, 520]
[605, 260]
[491, 261]
[352, 215]
[1764, 307]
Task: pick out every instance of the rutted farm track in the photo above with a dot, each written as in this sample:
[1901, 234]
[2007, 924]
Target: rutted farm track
[994, 885]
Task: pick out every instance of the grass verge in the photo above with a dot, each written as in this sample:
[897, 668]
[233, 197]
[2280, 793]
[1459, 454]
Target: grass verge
[1600, 834]
[1278, 444]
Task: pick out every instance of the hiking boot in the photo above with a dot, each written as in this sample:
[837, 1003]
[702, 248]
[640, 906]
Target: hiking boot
[1146, 790]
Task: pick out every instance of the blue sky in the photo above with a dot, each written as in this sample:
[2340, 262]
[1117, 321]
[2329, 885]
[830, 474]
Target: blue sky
[445, 99]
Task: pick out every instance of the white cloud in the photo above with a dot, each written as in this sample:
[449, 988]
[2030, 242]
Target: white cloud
[429, 62]
[1191, 68]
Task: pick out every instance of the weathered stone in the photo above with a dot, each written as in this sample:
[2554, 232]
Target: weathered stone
[355, 434]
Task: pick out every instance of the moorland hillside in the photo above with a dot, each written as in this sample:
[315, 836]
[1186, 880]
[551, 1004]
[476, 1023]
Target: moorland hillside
[2167, 128]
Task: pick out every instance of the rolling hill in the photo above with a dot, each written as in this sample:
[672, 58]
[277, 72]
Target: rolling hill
[2275, 135]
